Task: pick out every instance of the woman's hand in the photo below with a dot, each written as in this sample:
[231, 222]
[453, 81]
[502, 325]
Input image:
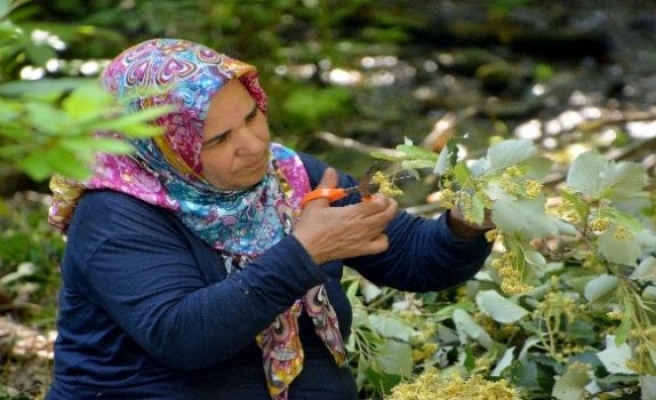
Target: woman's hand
[332, 233]
[465, 230]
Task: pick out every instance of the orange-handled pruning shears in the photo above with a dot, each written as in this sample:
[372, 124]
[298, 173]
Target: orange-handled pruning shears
[334, 194]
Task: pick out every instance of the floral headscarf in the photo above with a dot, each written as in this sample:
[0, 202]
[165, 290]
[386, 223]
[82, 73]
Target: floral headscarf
[165, 171]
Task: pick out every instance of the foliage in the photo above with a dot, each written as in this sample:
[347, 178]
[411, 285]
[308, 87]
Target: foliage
[48, 126]
[565, 307]
[52, 132]
[29, 258]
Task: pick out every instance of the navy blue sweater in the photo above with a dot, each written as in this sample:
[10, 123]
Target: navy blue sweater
[146, 310]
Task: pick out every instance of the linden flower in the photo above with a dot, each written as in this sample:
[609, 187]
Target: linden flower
[514, 171]
[491, 235]
[385, 185]
[447, 198]
[533, 188]
[615, 315]
[599, 224]
[508, 185]
[432, 385]
[622, 233]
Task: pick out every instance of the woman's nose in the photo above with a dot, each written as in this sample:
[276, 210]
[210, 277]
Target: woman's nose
[250, 141]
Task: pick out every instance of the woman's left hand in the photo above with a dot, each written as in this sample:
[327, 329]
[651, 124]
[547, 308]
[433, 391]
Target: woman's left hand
[466, 230]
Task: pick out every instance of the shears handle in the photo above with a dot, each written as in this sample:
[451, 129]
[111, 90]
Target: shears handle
[330, 194]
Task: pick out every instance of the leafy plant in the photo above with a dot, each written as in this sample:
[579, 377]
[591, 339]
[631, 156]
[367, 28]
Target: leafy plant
[565, 305]
[53, 132]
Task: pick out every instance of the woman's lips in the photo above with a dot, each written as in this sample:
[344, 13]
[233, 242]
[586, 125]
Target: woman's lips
[256, 166]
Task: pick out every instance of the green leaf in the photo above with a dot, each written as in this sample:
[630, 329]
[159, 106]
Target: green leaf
[525, 218]
[46, 85]
[86, 101]
[505, 362]
[110, 145]
[395, 358]
[468, 329]
[623, 218]
[615, 357]
[462, 173]
[584, 174]
[417, 152]
[623, 331]
[538, 167]
[387, 155]
[382, 382]
[599, 178]
[646, 270]
[580, 206]
[417, 164]
[39, 54]
[135, 124]
[648, 387]
[47, 119]
[625, 251]
[570, 385]
[480, 167]
[622, 180]
[600, 287]
[36, 166]
[510, 152]
[499, 308]
[369, 290]
[442, 164]
[4, 7]
[534, 258]
[390, 327]
[478, 208]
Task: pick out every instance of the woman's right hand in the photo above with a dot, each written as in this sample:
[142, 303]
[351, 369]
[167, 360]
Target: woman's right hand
[332, 233]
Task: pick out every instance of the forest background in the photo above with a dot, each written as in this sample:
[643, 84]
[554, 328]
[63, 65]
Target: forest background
[509, 81]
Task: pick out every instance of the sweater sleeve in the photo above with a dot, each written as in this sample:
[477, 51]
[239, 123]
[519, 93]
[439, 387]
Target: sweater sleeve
[423, 255]
[137, 265]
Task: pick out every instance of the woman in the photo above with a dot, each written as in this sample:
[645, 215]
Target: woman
[190, 270]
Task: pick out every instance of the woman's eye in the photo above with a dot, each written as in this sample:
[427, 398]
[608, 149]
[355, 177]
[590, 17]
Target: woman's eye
[214, 141]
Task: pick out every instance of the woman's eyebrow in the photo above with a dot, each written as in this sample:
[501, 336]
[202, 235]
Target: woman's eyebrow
[215, 138]
[251, 114]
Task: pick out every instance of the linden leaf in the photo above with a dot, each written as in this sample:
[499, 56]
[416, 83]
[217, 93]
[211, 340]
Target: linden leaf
[622, 180]
[510, 152]
[646, 270]
[498, 307]
[480, 167]
[442, 163]
[523, 217]
[599, 178]
[622, 250]
[599, 287]
[538, 167]
[614, 357]
[417, 152]
[395, 358]
[584, 174]
[505, 362]
[390, 327]
[468, 329]
[648, 387]
[570, 385]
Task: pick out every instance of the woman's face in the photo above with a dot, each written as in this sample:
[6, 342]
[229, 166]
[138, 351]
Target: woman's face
[235, 152]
